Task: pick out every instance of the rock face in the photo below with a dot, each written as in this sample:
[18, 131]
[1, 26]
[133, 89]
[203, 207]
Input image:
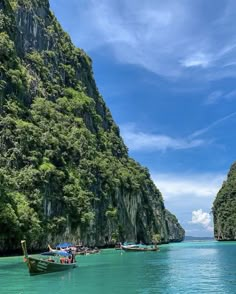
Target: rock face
[224, 209]
[175, 232]
[65, 172]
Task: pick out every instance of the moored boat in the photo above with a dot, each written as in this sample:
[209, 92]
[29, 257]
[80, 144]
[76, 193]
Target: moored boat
[141, 248]
[87, 251]
[126, 245]
[59, 261]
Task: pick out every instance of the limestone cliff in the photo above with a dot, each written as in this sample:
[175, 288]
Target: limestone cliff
[65, 173]
[224, 208]
[175, 232]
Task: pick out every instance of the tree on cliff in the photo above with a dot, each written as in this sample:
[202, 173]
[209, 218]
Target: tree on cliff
[63, 163]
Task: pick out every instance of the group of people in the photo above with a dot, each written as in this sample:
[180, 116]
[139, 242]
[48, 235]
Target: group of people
[69, 259]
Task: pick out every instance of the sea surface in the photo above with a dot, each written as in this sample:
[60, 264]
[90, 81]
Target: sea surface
[187, 267]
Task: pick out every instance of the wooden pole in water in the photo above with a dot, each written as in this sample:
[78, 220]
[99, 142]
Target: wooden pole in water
[23, 245]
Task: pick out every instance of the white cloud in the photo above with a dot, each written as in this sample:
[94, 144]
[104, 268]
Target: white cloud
[214, 97]
[167, 37]
[212, 125]
[137, 140]
[188, 186]
[218, 96]
[202, 218]
[198, 59]
[183, 192]
[231, 95]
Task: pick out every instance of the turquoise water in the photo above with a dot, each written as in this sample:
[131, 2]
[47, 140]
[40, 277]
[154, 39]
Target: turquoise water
[188, 267]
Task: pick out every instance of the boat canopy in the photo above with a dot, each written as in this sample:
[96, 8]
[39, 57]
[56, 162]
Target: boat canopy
[129, 243]
[64, 245]
[56, 252]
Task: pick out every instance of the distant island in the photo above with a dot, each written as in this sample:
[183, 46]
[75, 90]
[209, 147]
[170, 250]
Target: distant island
[191, 238]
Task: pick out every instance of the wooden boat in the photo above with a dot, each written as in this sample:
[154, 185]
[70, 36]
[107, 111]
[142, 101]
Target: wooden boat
[139, 248]
[66, 246]
[82, 250]
[126, 245]
[87, 251]
[49, 265]
[56, 251]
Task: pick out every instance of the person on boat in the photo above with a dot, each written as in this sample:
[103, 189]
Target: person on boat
[69, 259]
[73, 257]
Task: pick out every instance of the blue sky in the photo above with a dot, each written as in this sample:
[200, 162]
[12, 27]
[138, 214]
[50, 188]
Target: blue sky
[166, 69]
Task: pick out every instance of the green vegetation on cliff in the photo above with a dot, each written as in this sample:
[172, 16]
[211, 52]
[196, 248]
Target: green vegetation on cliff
[64, 169]
[175, 231]
[224, 208]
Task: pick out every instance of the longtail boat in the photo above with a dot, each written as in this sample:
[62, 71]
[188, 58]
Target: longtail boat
[139, 248]
[87, 251]
[56, 250]
[57, 261]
